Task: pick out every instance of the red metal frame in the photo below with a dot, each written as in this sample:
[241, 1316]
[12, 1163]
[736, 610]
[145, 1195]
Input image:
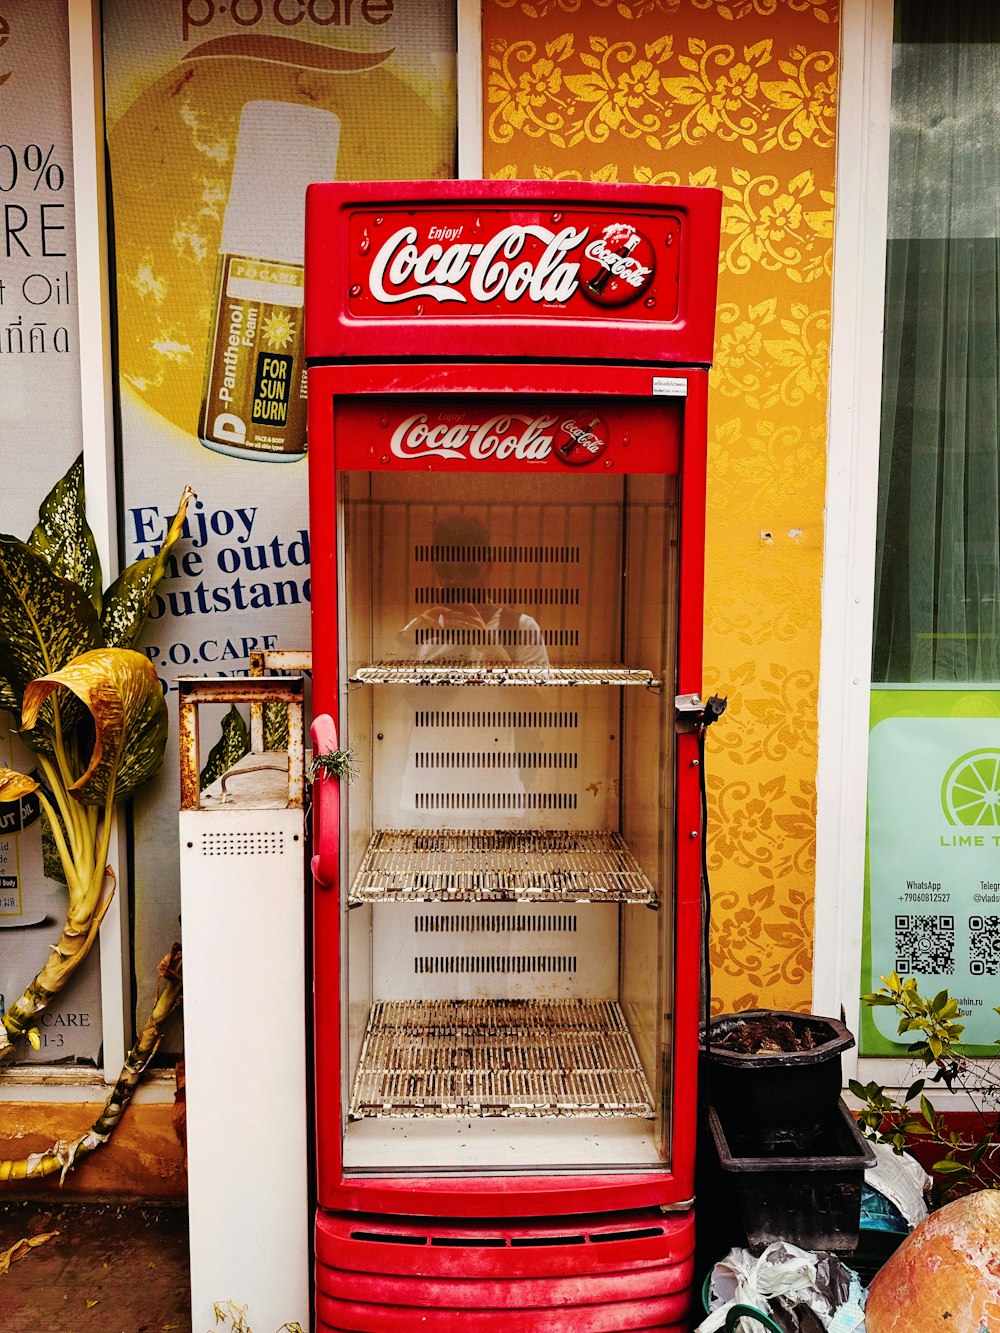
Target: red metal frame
[509, 1195]
[596, 1274]
[508, 292]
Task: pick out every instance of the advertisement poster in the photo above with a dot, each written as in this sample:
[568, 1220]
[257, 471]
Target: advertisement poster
[40, 435]
[218, 116]
[933, 891]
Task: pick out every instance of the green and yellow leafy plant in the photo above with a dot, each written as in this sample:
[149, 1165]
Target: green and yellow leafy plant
[88, 705]
[969, 1160]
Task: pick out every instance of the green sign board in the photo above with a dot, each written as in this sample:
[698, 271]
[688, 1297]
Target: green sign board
[932, 884]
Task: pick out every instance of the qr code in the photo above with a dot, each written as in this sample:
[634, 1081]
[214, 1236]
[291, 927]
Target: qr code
[984, 946]
[925, 944]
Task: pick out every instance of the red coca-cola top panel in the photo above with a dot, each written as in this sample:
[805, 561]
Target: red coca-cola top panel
[510, 269]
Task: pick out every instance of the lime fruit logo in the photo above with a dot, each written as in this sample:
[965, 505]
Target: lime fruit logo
[970, 793]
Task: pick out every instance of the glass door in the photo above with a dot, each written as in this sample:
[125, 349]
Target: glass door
[508, 649]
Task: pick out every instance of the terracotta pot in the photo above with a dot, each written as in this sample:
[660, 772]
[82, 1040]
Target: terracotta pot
[945, 1275]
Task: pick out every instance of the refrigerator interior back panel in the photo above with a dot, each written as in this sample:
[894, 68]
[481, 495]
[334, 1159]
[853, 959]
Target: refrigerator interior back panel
[502, 959]
[495, 951]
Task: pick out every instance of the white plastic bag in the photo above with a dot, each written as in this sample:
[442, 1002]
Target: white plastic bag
[783, 1270]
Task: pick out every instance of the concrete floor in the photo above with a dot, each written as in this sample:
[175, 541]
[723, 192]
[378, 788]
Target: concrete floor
[111, 1269]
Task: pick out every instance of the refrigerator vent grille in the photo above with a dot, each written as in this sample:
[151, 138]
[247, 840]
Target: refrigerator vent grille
[493, 922]
[533, 1240]
[504, 964]
[503, 638]
[499, 1058]
[439, 554]
[496, 759]
[249, 843]
[496, 800]
[438, 596]
[457, 865]
[504, 719]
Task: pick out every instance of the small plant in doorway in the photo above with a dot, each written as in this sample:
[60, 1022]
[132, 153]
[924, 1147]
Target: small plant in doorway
[970, 1158]
[228, 1315]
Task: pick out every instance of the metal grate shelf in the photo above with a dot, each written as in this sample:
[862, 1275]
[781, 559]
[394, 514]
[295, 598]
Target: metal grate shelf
[456, 865]
[486, 1058]
[443, 672]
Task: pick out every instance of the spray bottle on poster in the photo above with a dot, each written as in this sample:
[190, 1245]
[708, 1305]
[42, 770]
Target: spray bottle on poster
[254, 401]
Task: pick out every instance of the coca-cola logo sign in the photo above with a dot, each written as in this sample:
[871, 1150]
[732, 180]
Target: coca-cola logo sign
[504, 436]
[585, 438]
[401, 271]
[520, 263]
[621, 265]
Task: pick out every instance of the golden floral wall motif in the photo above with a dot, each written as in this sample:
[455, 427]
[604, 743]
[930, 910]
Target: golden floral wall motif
[746, 357]
[622, 92]
[827, 11]
[738, 94]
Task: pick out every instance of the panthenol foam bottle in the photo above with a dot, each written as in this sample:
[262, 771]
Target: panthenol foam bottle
[254, 403]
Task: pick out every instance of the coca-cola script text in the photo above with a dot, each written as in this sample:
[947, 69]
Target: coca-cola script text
[508, 436]
[402, 272]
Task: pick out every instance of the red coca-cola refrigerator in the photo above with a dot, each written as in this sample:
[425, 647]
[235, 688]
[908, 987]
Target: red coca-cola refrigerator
[507, 431]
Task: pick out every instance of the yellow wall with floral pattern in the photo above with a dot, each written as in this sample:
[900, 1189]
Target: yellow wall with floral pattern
[738, 94]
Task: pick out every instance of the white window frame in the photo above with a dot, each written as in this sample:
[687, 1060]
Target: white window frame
[38, 1082]
[470, 89]
[848, 599]
[855, 395]
[97, 417]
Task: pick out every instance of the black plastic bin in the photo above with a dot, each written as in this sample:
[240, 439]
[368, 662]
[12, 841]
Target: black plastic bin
[812, 1199]
[779, 1099]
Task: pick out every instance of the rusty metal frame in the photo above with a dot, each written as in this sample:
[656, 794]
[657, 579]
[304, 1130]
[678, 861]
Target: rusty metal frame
[276, 660]
[257, 690]
[485, 1058]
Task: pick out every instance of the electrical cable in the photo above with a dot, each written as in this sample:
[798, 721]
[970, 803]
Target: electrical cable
[712, 711]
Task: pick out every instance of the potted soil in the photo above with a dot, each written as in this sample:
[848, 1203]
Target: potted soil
[780, 1143]
[774, 1077]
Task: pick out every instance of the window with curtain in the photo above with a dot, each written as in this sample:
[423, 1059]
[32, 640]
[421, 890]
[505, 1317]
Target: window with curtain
[937, 590]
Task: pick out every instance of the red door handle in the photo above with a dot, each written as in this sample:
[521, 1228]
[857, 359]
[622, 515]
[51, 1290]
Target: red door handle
[326, 808]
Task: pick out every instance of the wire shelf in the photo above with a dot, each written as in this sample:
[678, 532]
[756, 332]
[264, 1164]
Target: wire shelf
[443, 672]
[457, 865]
[490, 1058]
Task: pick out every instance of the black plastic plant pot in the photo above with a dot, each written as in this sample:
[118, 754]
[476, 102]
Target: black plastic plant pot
[776, 1100]
[811, 1199]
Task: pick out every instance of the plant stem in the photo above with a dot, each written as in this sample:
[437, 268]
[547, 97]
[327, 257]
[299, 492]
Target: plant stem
[65, 956]
[101, 855]
[64, 1154]
[80, 830]
[65, 855]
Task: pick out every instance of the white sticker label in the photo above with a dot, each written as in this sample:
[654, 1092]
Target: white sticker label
[669, 386]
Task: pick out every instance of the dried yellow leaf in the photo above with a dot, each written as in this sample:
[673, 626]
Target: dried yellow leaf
[125, 699]
[14, 785]
[22, 1247]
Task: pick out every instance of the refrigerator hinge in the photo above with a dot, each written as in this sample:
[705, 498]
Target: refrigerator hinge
[688, 712]
[691, 714]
